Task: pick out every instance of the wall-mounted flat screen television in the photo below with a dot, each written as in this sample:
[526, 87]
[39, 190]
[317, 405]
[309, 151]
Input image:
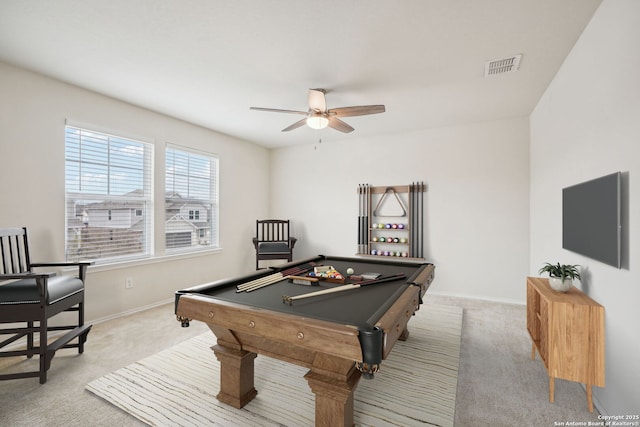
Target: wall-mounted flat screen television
[591, 222]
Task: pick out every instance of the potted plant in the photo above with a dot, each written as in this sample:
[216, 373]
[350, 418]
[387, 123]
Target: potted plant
[561, 276]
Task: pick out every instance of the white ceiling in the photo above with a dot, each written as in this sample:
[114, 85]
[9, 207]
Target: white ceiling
[208, 61]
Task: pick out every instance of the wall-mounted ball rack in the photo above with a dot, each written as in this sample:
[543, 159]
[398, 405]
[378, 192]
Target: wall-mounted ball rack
[391, 220]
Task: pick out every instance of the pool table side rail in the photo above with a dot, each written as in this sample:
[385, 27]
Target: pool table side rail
[314, 334]
[394, 322]
[221, 283]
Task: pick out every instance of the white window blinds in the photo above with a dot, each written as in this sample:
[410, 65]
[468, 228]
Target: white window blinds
[191, 200]
[109, 206]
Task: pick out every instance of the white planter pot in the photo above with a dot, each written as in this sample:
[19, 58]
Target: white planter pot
[557, 284]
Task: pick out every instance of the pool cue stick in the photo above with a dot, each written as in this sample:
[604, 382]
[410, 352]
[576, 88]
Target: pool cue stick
[348, 287]
[421, 219]
[252, 283]
[417, 216]
[367, 212]
[365, 225]
[411, 212]
[365, 219]
[359, 218]
[256, 281]
[276, 280]
[273, 278]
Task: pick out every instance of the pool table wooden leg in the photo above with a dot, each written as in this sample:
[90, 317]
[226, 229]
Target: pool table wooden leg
[404, 335]
[334, 398]
[236, 376]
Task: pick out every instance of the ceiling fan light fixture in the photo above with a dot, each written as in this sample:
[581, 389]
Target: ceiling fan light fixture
[317, 122]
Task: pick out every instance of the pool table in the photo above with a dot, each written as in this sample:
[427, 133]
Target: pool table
[339, 336]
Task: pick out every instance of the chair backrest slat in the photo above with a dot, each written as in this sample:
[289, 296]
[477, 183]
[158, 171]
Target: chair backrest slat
[272, 230]
[14, 250]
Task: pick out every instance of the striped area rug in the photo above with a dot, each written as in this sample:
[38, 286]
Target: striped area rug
[416, 385]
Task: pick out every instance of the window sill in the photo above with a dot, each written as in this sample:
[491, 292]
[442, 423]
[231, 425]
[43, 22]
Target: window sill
[150, 260]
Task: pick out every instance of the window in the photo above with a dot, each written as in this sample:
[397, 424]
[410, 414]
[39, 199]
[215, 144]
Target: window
[109, 206]
[191, 200]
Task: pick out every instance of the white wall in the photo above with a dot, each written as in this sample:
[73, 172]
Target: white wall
[476, 205]
[587, 125]
[33, 110]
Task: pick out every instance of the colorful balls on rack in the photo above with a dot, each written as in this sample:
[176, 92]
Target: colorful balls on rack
[396, 240]
[400, 226]
[403, 240]
[397, 254]
[405, 254]
[386, 253]
[387, 226]
[374, 225]
[374, 239]
[394, 225]
[381, 225]
[382, 239]
[374, 252]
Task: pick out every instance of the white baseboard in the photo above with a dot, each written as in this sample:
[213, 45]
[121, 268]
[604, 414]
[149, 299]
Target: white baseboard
[477, 298]
[129, 312]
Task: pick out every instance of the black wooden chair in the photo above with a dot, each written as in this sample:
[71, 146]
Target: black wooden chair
[28, 299]
[273, 241]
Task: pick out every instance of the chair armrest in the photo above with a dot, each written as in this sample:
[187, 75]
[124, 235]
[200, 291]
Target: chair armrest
[61, 264]
[82, 266]
[21, 276]
[255, 242]
[292, 242]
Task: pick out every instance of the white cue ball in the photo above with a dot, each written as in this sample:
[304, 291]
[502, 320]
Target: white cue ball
[349, 270]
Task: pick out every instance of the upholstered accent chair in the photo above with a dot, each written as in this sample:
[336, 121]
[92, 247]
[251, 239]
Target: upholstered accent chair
[29, 299]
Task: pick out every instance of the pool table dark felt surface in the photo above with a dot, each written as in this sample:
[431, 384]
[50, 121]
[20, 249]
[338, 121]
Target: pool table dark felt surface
[360, 307]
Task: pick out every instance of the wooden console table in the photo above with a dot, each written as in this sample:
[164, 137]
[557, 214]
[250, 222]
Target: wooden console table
[567, 329]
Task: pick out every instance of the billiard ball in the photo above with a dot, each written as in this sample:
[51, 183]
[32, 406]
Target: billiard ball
[387, 226]
[349, 270]
[374, 252]
[382, 239]
[394, 225]
[381, 225]
[375, 225]
[403, 240]
[400, 226]
[375, 239]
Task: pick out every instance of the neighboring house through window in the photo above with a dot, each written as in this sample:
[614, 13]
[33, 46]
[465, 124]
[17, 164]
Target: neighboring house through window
[191, 200]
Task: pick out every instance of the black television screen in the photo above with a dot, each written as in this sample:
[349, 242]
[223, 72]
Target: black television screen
[591, 219]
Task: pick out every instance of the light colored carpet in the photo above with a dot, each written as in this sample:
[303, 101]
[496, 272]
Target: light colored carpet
[177, 387]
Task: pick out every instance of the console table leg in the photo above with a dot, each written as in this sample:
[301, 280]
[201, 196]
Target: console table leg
[533, 351]
[552, 386]
[589, 397]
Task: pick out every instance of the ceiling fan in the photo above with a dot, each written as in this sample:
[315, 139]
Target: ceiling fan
[319, 117]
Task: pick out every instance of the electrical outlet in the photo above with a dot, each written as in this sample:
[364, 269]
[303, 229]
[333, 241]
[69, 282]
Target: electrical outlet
[128, 283]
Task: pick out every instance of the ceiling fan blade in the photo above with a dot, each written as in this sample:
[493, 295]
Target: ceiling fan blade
[317, 100]
[361, 110]
[275, 110]
[338, 124]
[296, 125]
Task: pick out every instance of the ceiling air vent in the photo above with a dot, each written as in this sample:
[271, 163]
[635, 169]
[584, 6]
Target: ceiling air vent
[501, 66]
